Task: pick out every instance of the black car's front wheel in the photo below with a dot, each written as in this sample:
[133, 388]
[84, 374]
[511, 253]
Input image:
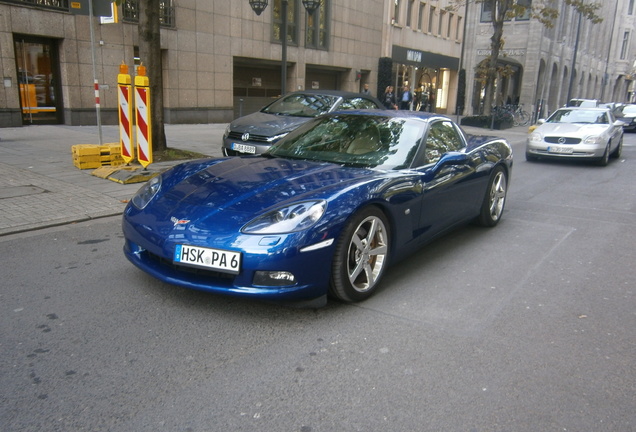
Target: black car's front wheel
[495, 198]
[361, 256]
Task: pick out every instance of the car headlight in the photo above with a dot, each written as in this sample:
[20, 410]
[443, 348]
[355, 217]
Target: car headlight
[593, 140]
[535, 137]
[291, 218]
[147, 192]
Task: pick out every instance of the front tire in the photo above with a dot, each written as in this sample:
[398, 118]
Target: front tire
[495, 198]
[604, 160]
[618, 150]
[361, 256]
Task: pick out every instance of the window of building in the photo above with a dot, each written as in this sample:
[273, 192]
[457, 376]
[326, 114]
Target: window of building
[396, 11]
[292, 20]
[431, 17]
[46, 4]
[130, 12]
[451, 17]
[318, 27]
[459, 29]
[420, 17]
[486, 12]
[526, 15]
[625, 45]
[440, 24]
[630, 8]
[409, 13]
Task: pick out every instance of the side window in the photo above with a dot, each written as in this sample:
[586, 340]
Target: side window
[357, 103]
[442, 137]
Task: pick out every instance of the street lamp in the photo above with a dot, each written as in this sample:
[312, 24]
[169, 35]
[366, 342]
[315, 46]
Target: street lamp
[259, 6]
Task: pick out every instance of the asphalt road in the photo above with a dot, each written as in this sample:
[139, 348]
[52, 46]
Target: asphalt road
[529, 326]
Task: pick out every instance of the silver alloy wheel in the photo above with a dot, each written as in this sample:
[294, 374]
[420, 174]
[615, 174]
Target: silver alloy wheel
[367, 253]
[497, 195]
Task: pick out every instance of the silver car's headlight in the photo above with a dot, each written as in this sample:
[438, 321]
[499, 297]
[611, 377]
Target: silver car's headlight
[147, 192]
[535, 137]
[291, 218]
[593, 140]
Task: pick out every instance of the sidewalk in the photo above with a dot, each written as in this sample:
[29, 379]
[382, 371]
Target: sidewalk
[40, 186]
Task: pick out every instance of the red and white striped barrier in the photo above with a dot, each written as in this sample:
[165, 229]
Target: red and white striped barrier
[124, 85]
[142, 109]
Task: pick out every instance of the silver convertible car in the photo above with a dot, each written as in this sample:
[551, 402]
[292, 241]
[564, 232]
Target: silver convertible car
[577, 133]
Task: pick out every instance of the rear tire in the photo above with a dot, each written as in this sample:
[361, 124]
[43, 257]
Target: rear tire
[361, 256]
[494, 199]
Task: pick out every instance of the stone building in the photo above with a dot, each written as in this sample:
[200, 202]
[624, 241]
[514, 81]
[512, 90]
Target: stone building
[573, 59]
[222, 60]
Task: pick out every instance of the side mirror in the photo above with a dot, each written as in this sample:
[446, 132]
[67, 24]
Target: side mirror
[453, 158]
[540, 121]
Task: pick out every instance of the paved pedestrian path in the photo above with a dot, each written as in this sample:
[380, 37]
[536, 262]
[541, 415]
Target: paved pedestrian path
[40, 186]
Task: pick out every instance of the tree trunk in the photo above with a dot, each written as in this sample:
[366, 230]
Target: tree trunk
[150, 55]
[499, 10]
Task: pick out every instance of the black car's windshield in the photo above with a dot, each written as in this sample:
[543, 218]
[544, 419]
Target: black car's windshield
[578, 116]
[302, 105]
[358, 140]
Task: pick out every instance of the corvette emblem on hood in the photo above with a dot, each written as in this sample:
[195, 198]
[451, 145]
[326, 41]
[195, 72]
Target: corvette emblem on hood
[176, 221]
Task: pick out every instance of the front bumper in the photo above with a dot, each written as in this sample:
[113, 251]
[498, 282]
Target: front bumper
[312, 269]
[578, 151]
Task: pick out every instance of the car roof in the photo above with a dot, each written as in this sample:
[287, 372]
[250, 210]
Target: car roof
[578, 108]
[422, 115]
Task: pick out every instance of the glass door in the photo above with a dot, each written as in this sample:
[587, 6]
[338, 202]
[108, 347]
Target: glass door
[37, 67]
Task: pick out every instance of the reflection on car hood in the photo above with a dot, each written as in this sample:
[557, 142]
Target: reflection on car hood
[571, 129]
[251, 185]
[264, 124]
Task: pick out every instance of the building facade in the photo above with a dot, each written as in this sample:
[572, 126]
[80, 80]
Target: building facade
[547, 66]
[222, 60]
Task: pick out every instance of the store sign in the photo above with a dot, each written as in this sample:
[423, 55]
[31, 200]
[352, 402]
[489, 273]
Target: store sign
[503, 52]
[414, 56]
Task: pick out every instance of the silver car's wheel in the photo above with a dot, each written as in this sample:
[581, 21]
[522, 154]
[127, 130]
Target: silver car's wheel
[604, 160]
[495, 198]
[361, 256]
[618, 150]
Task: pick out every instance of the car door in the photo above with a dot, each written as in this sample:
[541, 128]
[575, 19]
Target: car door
[449, 178]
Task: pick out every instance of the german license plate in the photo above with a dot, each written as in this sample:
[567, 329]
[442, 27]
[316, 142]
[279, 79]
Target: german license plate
[216, 259]
[243, 148]
[560, 150]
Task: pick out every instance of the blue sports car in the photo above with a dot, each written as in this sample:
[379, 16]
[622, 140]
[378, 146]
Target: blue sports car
[323, 212]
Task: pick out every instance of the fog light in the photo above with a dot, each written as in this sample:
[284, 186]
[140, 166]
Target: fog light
[274, 278]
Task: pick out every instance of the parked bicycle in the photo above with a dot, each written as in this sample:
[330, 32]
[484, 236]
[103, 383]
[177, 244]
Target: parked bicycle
[520, 117]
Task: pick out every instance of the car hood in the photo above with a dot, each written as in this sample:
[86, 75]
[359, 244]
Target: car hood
[571, 129]
[242, 188]
[260, 123]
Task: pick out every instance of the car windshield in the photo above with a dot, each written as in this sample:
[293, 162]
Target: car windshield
[356, 140]
[302, 105]
[579, 116]
[628, 109]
